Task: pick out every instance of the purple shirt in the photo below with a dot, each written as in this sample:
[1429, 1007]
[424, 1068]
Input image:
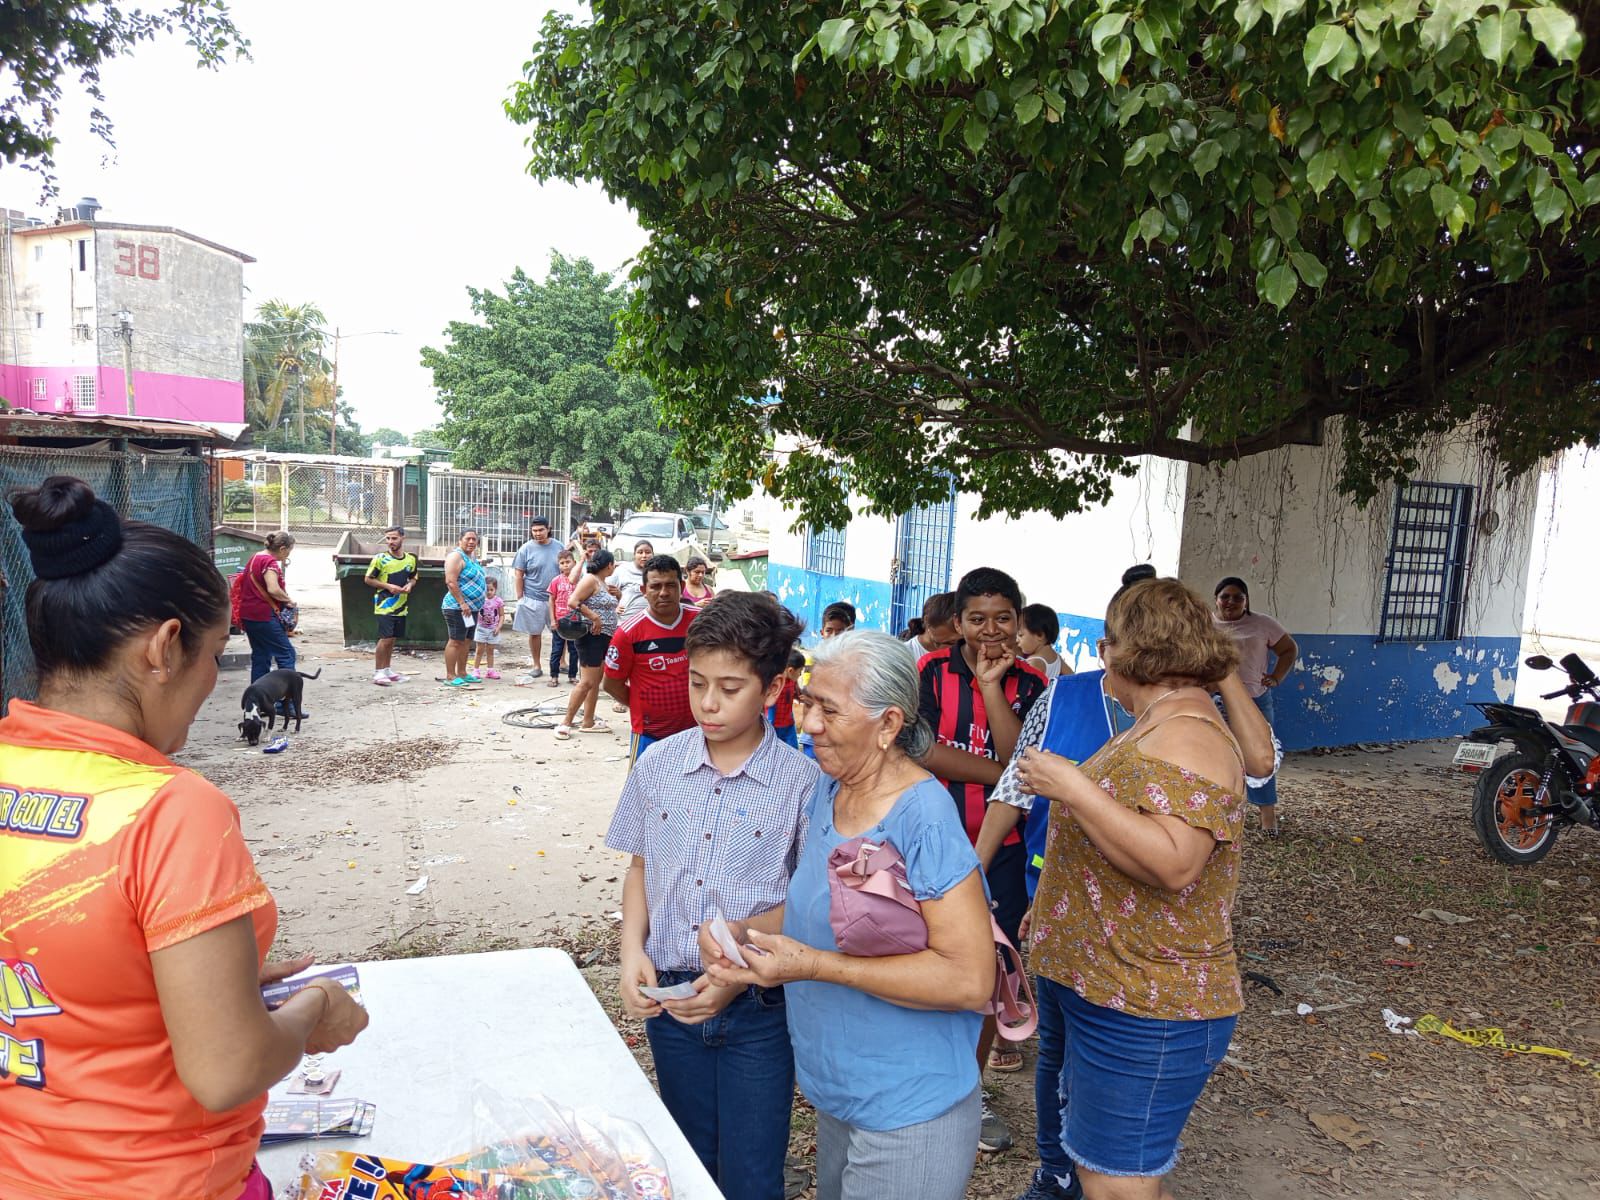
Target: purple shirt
[711, 840]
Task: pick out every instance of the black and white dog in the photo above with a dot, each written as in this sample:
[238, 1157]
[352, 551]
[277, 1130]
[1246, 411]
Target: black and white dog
[262, 698]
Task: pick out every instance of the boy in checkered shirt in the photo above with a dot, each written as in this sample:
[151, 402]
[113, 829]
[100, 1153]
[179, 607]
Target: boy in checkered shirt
[713, 819]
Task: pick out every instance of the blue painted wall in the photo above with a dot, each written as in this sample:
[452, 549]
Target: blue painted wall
[1346, 688]
[807, 593]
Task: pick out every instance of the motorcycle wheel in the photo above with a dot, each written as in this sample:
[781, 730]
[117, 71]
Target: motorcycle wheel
[1499, 812]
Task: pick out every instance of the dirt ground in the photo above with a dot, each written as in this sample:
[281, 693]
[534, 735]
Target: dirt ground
[387, 785]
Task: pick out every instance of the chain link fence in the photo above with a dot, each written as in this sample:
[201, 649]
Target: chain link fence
[163, 487]
[317, 502]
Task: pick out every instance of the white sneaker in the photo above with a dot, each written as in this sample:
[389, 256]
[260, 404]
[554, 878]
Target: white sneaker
[395, 676]
[381, 678]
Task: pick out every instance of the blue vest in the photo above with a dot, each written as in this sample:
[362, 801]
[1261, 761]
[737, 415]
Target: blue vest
[1078, 722]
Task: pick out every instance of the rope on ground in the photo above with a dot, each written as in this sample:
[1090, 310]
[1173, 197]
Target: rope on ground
[533, 717]
[1495, 1039]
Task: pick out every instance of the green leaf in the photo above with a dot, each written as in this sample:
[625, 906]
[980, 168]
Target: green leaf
[976, 48]
[1151, 224]
[1549, 201]
[888, 43]
[1277, 286]
[1497, 33]
[976, 133]
[1108, 26]
[1537, 142]
[1309, 267]
[1357, 228]
[1028, 108]
[837, 36]
[1247, 13]
[1114, 57]
[1323, 46]
[1206, 156]
[1078, 82]
[1283, 222]
[1447, 17]
[1321, 169]
[1557, 29]
[1281, 10]
[1444, 199]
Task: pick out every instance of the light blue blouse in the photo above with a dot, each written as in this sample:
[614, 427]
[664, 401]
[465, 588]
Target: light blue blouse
[862, 1060]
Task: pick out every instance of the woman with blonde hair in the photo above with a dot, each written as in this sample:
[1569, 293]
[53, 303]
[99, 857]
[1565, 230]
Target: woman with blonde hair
[1132, 935]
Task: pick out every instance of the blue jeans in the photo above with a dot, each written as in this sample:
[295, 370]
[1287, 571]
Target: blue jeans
[270, 647]
[729, 1084]
[1135, 1081]
[557, 645]
[1049, 1081]
[1267, 794]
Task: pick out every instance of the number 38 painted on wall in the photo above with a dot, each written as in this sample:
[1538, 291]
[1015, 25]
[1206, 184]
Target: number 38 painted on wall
[134, 258]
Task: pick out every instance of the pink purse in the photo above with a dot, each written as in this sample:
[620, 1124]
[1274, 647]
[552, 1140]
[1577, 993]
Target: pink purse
[873, 914]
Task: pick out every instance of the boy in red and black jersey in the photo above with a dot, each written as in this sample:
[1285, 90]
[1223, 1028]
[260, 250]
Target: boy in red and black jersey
[975, 694]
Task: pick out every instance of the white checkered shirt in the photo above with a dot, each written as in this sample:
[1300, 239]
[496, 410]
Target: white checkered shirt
[711, 840]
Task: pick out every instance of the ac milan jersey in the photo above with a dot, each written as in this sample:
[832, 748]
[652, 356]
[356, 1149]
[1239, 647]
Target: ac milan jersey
[953, 705]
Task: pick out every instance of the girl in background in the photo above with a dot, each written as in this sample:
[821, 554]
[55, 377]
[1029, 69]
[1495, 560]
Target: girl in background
[486, 634]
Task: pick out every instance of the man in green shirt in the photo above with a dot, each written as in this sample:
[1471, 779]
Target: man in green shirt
[392, 575]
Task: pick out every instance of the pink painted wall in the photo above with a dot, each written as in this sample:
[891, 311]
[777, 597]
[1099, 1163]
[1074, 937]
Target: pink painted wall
[174, 397]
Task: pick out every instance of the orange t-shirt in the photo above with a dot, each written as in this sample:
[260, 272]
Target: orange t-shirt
[108, 852]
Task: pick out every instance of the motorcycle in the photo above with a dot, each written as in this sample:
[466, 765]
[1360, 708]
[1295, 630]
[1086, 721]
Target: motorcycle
[1550, 777]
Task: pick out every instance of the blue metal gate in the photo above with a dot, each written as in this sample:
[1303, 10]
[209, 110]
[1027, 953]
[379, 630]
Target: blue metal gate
[921, 567]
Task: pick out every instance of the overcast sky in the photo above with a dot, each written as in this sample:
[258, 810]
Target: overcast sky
[362, 158]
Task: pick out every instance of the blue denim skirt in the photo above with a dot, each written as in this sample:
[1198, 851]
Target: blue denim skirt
[1128, 1083]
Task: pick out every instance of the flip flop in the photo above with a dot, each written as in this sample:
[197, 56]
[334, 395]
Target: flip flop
[563, 733]
[597, 727]
[1005, 1061]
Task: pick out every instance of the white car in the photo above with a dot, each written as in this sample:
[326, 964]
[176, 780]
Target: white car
[667, 533]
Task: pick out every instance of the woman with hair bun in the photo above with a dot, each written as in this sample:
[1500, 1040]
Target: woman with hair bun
[264, 593]
[897, 1097]
[134, 927]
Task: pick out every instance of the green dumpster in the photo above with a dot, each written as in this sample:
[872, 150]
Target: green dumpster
[231, 548]
[752, 566]
[424, 619]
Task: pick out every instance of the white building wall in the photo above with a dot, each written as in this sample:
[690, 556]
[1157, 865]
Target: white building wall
[49, 298]
[1561, 616]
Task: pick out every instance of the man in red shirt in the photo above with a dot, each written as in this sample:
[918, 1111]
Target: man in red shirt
[647, 667]
[975, 695]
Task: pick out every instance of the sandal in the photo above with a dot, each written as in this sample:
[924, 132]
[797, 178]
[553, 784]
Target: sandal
[619, 708]
[563, 733]
[598, 727]
[555, 681]
[1005, 1061]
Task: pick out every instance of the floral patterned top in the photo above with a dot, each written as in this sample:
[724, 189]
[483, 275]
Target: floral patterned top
[1133, 946]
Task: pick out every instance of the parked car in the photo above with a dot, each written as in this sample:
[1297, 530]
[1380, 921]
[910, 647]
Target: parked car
[668, 533]
[723, 538]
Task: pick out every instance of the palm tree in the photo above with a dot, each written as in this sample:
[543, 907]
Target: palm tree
[283, 359]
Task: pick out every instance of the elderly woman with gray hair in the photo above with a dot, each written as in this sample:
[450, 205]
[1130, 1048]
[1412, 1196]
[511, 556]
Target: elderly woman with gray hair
[884, 1047]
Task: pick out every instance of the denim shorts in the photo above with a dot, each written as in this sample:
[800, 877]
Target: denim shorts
[1128, 1083]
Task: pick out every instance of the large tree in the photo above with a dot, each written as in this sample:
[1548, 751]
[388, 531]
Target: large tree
[1018, 242]
[288, 383]
[530, 384]
[43, 42]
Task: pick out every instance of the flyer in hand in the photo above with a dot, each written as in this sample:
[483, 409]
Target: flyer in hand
[346, 977]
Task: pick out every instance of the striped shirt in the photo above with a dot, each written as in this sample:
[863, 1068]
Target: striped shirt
[711, 840]
[952, 703]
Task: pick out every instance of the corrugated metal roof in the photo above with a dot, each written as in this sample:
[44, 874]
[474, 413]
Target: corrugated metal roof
[325, 460]
[22, 423]
[74, 226]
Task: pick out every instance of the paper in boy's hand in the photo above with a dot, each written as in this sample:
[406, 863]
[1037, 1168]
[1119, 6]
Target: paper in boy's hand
[724, 938]
[678, 991]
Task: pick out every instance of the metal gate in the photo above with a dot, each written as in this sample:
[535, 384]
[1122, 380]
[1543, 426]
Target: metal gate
[499, 507]
[1425, 582]
[921, 568]
[317, 501]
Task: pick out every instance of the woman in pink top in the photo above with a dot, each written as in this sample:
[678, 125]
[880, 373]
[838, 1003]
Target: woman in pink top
[1259, 638]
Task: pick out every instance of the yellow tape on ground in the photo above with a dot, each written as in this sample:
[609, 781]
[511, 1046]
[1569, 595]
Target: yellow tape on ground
[1495, 1039]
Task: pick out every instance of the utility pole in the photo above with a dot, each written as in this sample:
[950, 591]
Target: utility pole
[333, 403]
[125, 335]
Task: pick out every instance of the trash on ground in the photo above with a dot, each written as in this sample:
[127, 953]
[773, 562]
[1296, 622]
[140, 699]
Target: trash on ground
[1396, 1023]
[1444, 918]
[1345, 1130]
[1495, 1039]
[276, 746]
[417, 888]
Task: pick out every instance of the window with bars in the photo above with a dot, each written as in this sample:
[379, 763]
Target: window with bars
[1425, 582]
[41, 389]
[825, 551]
[83, 392]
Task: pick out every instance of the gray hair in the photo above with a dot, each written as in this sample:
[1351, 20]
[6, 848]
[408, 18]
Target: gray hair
[882, 676]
